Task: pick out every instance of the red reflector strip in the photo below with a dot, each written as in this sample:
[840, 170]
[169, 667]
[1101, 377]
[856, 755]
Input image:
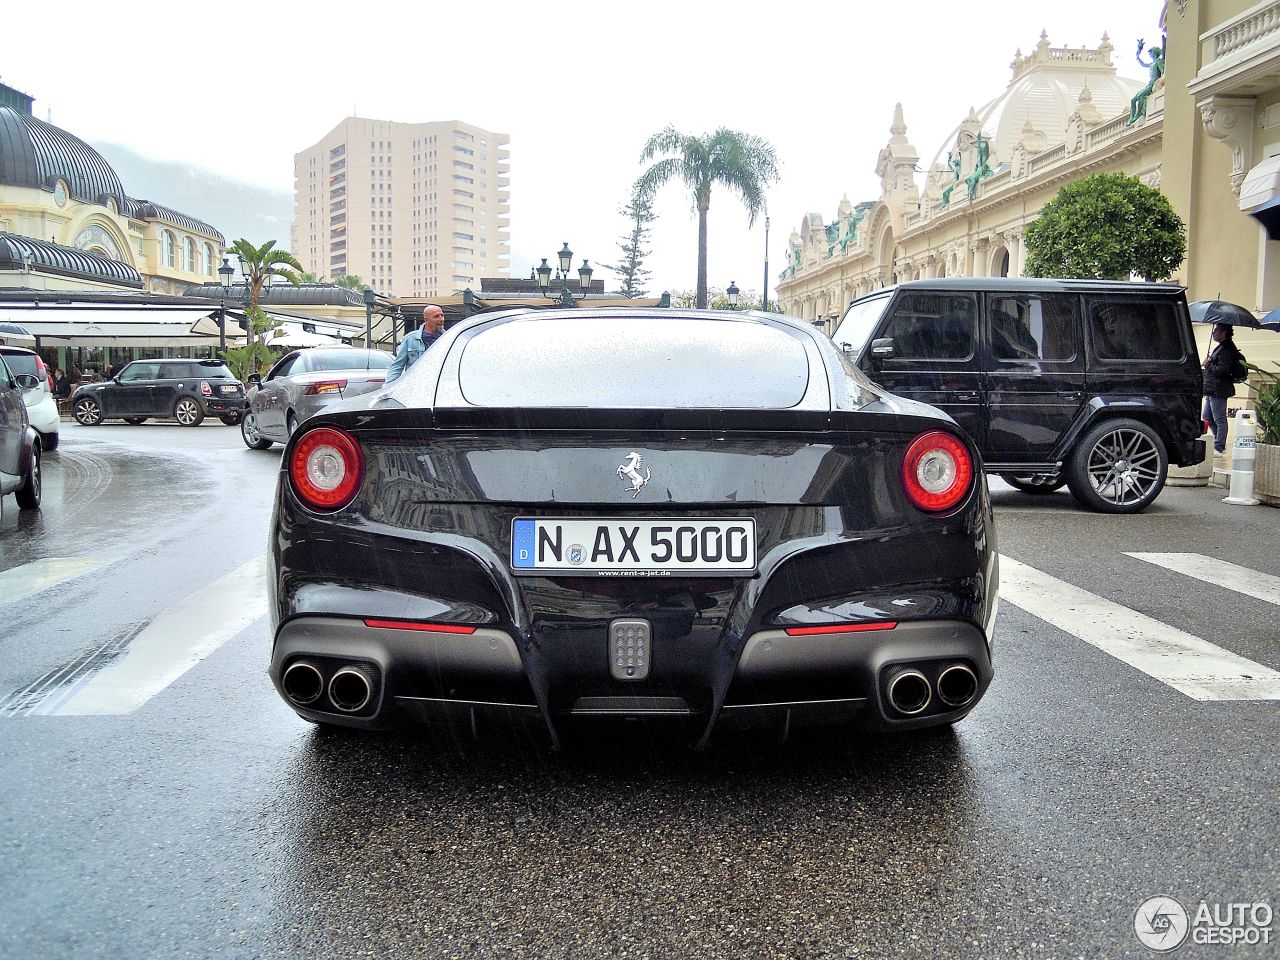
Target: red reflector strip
[840, 628]
[415, 625]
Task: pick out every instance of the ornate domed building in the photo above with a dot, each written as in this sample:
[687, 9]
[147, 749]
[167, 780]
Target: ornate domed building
[66, 221]
[1064, 114]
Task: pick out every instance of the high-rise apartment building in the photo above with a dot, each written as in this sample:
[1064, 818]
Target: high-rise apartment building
[415, 209]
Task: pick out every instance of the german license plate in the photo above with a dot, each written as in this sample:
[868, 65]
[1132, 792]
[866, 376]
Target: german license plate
[667, 546]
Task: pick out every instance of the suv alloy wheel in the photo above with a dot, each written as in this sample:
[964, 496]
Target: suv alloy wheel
[88, 412]
[1118, 467]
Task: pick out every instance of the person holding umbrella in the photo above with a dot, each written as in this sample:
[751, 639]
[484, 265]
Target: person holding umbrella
[1223, 369]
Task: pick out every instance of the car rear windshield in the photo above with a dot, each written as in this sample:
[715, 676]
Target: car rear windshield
[348, 360]
[20, 363]
[215, 370]
[634, 362]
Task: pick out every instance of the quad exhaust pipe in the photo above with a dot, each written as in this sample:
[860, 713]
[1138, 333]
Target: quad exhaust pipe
[910, 691]
[303, 682]
[957, 685]
[351, 689]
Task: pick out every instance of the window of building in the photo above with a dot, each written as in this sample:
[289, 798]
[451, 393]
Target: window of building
[206, 260]
[168, 248]
[188, 255]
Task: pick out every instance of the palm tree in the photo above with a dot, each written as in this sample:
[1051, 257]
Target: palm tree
[743, 163]
[257, 264]
[351, 281]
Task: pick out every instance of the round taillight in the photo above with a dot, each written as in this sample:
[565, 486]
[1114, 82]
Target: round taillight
[936, 471]
[326, 468]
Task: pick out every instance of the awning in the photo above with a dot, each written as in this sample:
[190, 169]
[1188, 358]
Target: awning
[120, 327]
[1261, 184]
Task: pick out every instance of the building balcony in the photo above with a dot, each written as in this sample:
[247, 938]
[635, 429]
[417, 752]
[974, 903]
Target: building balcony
[1241, 56]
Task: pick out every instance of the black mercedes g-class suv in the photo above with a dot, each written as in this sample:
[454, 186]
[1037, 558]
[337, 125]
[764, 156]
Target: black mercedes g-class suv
[1093, 384]
[186, 390]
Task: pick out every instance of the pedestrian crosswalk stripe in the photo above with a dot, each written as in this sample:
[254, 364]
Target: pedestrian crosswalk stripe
[1185, 662]
[1261, 586]
[175, 641]
[39, 575]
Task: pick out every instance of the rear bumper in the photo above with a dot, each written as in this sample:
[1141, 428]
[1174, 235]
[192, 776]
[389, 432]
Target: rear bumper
[219, 405]
[43, 415]
[424, 675]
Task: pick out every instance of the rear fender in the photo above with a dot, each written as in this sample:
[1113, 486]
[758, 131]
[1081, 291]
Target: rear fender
[1158, 416]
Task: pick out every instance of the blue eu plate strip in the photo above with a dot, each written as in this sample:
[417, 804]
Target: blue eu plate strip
[523, 533]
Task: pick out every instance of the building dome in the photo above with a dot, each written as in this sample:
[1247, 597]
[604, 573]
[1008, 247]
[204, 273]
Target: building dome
[1045, 90]
[38, 154]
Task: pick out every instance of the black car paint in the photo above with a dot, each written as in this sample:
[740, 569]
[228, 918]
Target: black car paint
[156, 396]
[423, 540]
[1028, 419]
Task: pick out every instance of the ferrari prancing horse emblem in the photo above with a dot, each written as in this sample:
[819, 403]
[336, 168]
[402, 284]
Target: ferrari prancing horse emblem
[629, 469]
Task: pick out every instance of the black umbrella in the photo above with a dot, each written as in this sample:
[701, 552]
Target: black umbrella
[1269, 216]
[1220, 311]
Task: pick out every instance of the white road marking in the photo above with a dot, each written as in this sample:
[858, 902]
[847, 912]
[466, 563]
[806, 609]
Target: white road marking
[174, 642]
[38, 575]
[1187, 663]
[1260, 586]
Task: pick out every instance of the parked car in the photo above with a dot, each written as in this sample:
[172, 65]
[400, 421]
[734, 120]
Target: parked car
[186, 390]
[19, 442]
[593, 512]
[303, 383]
[1091, 384]
[42, 408]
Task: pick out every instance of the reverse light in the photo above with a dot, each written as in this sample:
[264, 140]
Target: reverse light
[324, 386]
[936, 471]
[326, 468]
[840, 628]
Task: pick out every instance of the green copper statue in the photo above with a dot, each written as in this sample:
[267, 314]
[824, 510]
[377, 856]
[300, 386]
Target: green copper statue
[954, 163]
[982, 169]
[1138, 105]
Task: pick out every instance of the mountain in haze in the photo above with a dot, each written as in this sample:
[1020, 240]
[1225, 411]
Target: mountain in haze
[236, 209]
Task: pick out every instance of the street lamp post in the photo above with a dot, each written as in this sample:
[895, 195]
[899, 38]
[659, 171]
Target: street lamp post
[225, 273]
[565, 296]
[732, 292]
[764, 290]
[368, 317]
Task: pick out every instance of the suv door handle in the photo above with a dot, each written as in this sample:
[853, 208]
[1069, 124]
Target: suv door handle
[967, 395]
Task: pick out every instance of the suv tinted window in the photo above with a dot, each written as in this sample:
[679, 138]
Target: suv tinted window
[1133, 329]
[932, 326]
[1033, 328]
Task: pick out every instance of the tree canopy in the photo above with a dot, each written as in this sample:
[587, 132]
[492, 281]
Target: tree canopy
[744, 164]
[1109, 226]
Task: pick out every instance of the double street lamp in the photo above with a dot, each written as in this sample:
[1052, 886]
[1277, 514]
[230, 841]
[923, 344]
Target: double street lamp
[565, 296]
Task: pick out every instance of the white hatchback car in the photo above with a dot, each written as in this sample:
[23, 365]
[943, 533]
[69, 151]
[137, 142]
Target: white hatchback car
[42, 408]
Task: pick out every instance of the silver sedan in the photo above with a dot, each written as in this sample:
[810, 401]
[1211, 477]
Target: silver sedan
[303, 383]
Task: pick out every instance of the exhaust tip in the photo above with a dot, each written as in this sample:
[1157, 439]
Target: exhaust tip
[351, 689]
[302, 682]
[957, 685]
[909, 692]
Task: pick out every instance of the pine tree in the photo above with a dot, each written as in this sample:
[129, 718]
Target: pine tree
[631, 246]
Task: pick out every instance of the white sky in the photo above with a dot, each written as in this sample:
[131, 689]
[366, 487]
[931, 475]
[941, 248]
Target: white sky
[577, 87]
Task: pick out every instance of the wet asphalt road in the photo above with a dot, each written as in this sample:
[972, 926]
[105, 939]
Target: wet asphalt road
[210, 821]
